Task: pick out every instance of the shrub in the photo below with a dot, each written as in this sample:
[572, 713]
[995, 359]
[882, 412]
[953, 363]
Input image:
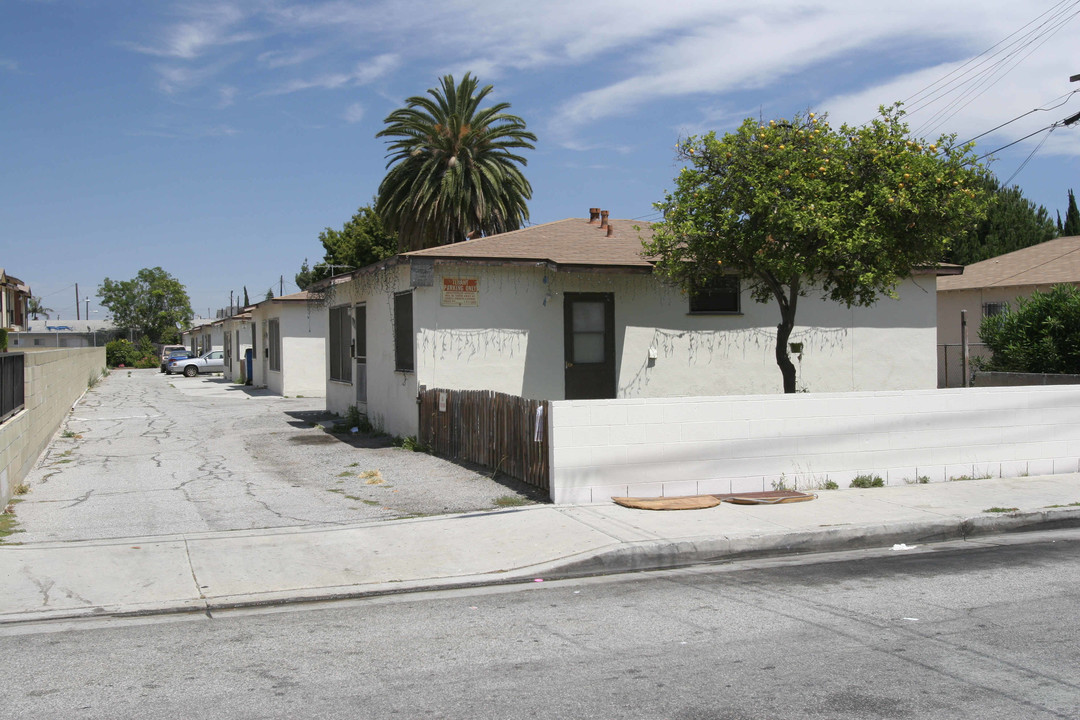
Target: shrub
[866, 481]
[1042, 335]
[3, 340]
[121, 352]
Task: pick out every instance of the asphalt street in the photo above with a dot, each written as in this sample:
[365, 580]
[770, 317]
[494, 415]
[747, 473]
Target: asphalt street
[958, 630]
[144, 454]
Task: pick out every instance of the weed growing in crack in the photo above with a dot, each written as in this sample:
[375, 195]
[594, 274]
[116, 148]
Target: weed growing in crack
[510, 501]
[1000, 510]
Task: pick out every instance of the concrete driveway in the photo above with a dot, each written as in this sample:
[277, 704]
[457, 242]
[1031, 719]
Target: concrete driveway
[147, 454]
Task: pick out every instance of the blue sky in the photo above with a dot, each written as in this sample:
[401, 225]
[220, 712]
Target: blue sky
[218, 139]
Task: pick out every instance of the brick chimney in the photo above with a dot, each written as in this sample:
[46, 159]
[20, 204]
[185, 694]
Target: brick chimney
[603, 218]
[594, 215]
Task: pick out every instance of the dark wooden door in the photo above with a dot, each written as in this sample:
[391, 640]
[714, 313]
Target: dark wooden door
[589, 330]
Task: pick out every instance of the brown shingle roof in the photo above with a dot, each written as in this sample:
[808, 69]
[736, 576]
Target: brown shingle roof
[1048, 263]
[573, 241]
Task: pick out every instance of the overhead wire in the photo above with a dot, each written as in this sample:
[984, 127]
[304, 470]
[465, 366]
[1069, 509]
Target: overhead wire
[1024, 115]
[915, 97]
[1015, 52]
[1030, 155]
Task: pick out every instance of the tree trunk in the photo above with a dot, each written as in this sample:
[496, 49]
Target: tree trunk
[787, 304]
[787, 368]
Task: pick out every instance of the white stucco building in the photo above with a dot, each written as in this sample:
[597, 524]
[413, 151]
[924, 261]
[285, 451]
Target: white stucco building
[237, 336]
[289, 345]
[203, 337]
[566, 311]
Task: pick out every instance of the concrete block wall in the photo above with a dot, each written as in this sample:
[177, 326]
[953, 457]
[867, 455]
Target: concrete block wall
[54, 380]
[686, 446]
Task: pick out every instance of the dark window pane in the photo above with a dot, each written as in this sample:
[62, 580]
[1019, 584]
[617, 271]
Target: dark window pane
[403, 332]
[720, 295]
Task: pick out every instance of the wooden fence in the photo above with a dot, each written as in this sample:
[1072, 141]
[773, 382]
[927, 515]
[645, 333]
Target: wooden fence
[503, 432]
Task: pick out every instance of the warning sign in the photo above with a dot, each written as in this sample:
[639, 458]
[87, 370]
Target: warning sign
[460, 292]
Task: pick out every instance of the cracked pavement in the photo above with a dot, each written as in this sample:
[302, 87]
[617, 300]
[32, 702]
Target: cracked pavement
[144, 454]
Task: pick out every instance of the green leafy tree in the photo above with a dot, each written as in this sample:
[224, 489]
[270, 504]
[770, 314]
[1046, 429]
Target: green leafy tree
[269, 294]
[36, 307]
[1041, 335]
[796, 205]
[305, 277]
[1012, 222]
[246, 301]
[362, 240]
[1072, 218]
[153, 303]
[454, 171]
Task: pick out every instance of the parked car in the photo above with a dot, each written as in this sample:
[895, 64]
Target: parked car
[176, 353]
[211, 362]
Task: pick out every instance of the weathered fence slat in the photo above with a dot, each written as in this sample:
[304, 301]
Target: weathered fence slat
[492, 429]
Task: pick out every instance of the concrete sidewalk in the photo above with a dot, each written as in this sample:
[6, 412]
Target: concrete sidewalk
[205, 571]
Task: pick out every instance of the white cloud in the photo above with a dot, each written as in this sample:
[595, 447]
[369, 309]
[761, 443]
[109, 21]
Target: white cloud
[226, 95]
[207, 27]
[274, 59]
[361, 74]
[354, 113]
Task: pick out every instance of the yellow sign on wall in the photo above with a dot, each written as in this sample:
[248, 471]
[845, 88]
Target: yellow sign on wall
[460, 292]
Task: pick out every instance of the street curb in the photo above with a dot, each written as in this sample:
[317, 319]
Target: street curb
[641, 556]
[663, 554]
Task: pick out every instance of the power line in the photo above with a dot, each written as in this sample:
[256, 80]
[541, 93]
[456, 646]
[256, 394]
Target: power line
[1031, 155]
[1014, 142]
[913, 98]
[1014, 53]
[1029, 112]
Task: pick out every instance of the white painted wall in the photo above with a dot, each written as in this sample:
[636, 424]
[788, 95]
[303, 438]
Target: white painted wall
[688, 446]
[233, 366]
[303, 357]
[391, 395]
[303, 353]
[513, 341]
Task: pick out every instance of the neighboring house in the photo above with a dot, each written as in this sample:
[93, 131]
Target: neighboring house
[55, 333]
[237, 335]
[988, 287]
[569, 310]
[290, 345]
[204, 336]
[14, 296]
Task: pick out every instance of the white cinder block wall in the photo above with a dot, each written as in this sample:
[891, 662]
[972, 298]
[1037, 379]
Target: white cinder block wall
[685, 446]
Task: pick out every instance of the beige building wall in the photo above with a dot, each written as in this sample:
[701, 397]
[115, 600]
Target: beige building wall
[512, 340]
[54, 380]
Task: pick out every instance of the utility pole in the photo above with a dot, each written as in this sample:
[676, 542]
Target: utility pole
[281, 285]
[232, 311]
[77, 302]
[964, 350]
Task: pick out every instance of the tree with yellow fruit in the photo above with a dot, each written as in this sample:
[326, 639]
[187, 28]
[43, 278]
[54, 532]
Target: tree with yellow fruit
[797, 205]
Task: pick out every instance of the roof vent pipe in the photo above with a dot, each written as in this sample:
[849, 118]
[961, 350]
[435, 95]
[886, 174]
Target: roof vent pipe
[603, 218]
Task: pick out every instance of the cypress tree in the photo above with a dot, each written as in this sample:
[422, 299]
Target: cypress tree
[1072, 218]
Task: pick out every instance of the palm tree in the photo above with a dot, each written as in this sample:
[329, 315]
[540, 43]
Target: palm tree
[454, 171]
[35, 307]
